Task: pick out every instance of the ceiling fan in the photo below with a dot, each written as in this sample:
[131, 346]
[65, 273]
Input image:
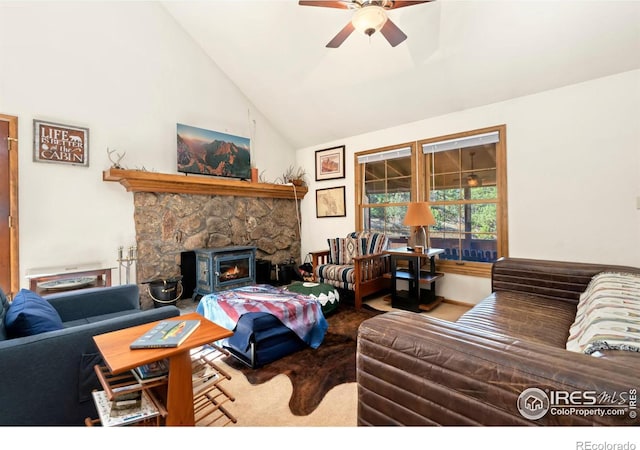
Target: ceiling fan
[370, 16]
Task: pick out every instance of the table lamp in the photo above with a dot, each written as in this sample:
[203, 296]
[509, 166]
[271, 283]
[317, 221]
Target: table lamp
[419, 215]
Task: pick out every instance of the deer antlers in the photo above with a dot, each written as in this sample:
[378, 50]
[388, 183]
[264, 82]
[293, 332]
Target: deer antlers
[116, 164]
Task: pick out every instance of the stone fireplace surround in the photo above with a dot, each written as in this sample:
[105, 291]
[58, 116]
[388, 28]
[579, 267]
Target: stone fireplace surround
[218, 215]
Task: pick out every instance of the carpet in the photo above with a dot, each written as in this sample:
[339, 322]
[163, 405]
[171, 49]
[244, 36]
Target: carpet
[313, 372]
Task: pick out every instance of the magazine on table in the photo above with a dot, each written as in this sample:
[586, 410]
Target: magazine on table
[167, 333]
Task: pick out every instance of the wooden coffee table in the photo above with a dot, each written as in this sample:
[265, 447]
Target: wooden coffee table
[114, 347]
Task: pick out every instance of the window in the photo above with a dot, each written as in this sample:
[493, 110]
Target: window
[384, 188]
[462, 176]
[466, 187]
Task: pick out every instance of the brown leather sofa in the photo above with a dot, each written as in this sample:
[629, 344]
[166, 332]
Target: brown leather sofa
[418, 370]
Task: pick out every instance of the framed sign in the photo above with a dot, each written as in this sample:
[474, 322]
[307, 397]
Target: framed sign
[57, 143]
[330, 163]
[330, 202]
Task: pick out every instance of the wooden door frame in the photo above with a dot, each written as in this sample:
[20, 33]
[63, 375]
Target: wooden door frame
[12, 145]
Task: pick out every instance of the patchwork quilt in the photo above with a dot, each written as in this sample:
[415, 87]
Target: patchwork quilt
[608, 315]
[300, 313]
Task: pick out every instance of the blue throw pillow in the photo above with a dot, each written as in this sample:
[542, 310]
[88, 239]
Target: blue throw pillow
[30, 314]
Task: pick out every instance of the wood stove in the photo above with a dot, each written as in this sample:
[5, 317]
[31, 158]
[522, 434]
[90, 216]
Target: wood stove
[219, 269]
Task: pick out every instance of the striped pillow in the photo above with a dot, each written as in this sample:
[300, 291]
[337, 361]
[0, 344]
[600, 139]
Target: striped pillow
[374, 242]
[343, 250]
[608, 315]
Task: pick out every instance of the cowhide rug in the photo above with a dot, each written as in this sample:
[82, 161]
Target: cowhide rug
[313, 372]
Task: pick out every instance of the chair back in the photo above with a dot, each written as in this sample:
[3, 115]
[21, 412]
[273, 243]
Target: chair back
[375, 242]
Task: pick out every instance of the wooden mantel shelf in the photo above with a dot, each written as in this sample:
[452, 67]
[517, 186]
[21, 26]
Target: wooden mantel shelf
[142, 181]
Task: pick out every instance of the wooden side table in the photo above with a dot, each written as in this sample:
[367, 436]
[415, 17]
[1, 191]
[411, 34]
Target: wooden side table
[101, 271]
[416, 299]
[118, 357]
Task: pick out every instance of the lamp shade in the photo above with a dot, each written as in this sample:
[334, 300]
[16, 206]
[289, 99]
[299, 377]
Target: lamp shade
[418, 215]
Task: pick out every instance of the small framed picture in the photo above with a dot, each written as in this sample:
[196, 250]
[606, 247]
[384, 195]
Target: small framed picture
[57, 143]
[330, 202]
[330, 163]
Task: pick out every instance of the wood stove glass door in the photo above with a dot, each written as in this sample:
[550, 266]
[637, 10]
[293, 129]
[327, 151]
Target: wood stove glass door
[204, 283]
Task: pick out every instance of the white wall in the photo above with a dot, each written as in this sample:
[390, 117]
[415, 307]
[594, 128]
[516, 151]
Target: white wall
[573, 171]
[129, 73]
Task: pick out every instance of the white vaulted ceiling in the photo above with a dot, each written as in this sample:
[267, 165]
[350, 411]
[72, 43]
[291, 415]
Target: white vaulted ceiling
[458, 55]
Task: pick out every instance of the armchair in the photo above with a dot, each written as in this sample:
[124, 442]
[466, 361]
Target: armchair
[356, 263]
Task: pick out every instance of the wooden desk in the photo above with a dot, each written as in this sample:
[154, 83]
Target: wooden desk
[114, 347]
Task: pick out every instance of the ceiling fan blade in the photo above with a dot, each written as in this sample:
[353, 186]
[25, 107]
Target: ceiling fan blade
[341, 36]
[402, 4]
[326, 4]
[393, 34]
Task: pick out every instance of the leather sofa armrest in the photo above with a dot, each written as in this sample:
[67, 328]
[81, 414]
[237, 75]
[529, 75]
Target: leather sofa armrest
[551, 279]
[417, 370]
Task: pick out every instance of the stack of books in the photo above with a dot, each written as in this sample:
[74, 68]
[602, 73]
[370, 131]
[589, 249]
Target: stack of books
[155, 371]
[112, 417]
[125, 399]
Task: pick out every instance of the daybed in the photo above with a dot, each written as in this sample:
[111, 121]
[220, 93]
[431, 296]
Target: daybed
[355, 264]
[47, 378]
[417, 370]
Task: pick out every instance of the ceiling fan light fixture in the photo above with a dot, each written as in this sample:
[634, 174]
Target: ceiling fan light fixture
[369, 19]
[473, 180]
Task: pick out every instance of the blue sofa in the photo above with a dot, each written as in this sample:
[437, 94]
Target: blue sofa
[47, 378]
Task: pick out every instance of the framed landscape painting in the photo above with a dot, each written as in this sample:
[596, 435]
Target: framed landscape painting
[330, 202]
[208, 152]
[330, 163]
